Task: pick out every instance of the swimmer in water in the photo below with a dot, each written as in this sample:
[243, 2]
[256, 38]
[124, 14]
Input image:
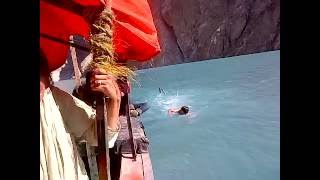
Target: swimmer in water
[184, 110]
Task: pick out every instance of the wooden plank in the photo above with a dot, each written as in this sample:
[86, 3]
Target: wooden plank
[147, 167]
[140, 169]
[131, 169]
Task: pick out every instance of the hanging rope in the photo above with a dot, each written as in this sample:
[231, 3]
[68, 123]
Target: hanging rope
[102, 49]
[101, 45]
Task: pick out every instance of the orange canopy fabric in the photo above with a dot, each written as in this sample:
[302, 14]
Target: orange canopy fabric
[135, 33]
[135, 36]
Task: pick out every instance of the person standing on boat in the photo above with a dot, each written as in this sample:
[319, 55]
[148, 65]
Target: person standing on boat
[65, 119]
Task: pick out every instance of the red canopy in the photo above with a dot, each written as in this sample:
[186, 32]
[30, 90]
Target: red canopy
[135, 36]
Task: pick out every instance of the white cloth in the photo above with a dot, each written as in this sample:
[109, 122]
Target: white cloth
[59, 158]
[62, 119]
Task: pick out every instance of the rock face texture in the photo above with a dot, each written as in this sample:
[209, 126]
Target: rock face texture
[193, 30]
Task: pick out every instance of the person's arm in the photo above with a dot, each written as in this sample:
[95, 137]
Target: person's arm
[81, 118]
[106, 84]
[78, 117]
[113, 107]
[170, 112]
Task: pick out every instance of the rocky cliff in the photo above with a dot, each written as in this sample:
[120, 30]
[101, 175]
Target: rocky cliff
[192, 30]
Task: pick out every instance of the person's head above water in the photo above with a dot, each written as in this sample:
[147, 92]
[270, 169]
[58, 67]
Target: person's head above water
[184, 110]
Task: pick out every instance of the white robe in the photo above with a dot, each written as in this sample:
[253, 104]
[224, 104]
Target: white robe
[63, 118]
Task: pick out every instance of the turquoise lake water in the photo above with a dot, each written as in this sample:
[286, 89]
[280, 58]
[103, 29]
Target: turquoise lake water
[233, 131]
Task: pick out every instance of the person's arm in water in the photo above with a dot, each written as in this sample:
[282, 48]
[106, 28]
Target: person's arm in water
[171, 112]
